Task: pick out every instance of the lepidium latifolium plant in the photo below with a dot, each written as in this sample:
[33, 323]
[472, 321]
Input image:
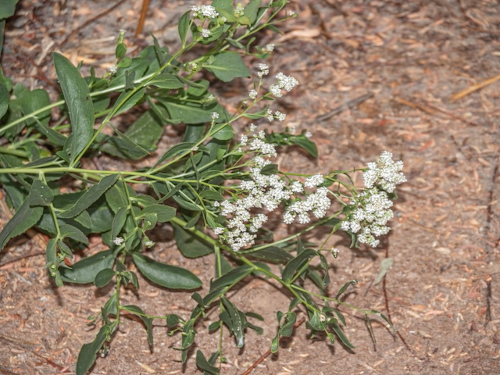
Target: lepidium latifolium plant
[219, 191]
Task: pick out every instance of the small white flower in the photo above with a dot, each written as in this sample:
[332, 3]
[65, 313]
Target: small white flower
[308, 134]
[252, 94]
[252, 128]
[205, 33]
[291, 13]
[280, 116]
[149, 243]
[219, 230]
[113, 69]
[268, 48]
[194, 149]
[118, 241]
[276, 91]
[215, 115]
[314, 181]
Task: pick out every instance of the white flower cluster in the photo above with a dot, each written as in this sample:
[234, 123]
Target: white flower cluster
[268, 48]
[204, 11]
[267, 191]
[385, 172]
[371, 210]
[284, 82]
[239, 11]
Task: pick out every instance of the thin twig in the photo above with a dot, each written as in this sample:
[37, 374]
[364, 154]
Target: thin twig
[347, 105]
[388, 311]
[268, 353]
[142, 19]
[430, 109]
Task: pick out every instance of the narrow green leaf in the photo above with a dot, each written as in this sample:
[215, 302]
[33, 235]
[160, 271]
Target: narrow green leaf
[275, 343]
[287, 328]
[40, 194]
[119, 221]
[306, 144]
[124, 102]
[295, 264]
[148, 322]
[24, 218]
[166, 275]
[344, 288]
[69, 231]
[88, 352]
[227, 5]
[238, 322]
[183, 27]
[81, 110]
[4, 96]
[165, 213]
[228, 66]
[272, 254]
[189, 244]
[175, 150]
[90, 196]
[104, 277]
[166, 81]
[341, 335]
[232, 277]
[211, 195]
[86, 270]
[203, 364]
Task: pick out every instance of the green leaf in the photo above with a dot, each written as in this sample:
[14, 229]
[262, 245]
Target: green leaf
[90, 196]
[287, 328]
[24, 218]
[126, 101]
[88, 352]
[116, 197]
[81, 110]
[203, 364]
[227, 5]
[164, 274]
[340, 334]
[119, 221]
[8, 8]
[148, 322]
[344, 288]
[211, 195]
[183, 27]
[190, 112]
[251, 10]
[86, 270]
[226, 132]
[173, 320]
[120, 50]
[272, 254]
[40, 194]
[296, 263]
[33, 101]
[238, 322]
[104, 277]
[165, 213]
[189, 244]
[167, 81]
[69, 231]
[4, 97]
[306, 144]
[227, 66]
[232, 277]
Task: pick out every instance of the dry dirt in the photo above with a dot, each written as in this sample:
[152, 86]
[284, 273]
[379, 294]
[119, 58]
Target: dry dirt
[443, 291]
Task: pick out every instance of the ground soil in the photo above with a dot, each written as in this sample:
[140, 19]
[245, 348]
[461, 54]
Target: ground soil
[443, 290]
